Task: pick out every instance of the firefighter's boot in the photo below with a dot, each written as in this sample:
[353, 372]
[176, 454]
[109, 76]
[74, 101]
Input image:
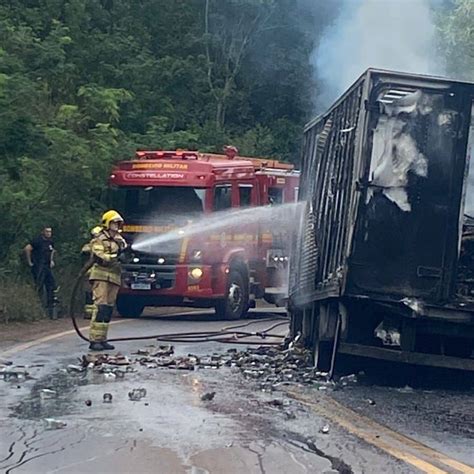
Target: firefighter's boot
[107, 317]
[96, 346]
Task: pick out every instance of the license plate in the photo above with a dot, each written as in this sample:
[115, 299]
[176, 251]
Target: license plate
[141, 286]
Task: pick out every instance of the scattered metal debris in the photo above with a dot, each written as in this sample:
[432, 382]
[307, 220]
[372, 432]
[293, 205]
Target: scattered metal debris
[47, 393]
[71, 368]
[207, 397]
[88, 403]
[271, 366]
[107, 398]
[14, 374]
[137, 394]
[324, 429]
[53, 424]
[347, 379]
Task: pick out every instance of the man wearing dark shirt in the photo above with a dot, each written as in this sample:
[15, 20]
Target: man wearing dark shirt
[40, 257]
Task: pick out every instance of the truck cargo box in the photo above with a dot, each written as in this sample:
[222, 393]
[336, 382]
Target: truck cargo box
[385, 177]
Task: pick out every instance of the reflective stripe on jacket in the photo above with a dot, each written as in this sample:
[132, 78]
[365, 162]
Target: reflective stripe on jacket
[105, 250]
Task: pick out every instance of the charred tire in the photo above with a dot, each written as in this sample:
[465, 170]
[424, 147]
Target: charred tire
[236, 305]
[129, 307]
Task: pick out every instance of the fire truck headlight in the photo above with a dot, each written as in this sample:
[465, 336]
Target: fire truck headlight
[135, 260]
[161, 260]
[196, 255]
[196, 273]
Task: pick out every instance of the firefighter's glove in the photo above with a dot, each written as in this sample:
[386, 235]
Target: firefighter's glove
[125, 255]
[122, 245]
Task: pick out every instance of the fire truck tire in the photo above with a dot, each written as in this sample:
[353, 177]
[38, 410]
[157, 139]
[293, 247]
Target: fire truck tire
[236, 305]
[129, 307]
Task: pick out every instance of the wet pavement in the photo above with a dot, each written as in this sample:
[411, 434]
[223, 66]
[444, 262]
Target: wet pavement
[200, 421]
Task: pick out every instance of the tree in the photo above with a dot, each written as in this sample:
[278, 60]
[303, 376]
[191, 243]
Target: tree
[229, 32]
[456, 25]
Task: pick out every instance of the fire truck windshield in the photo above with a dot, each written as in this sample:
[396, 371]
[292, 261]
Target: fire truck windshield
[139, 204]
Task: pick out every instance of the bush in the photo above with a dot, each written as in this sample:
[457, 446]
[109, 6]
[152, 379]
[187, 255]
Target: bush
[19, 301]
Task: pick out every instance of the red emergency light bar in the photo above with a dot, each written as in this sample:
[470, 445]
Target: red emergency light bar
[158, 155]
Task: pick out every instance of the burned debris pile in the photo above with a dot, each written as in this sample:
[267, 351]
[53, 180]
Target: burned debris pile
[268, 367]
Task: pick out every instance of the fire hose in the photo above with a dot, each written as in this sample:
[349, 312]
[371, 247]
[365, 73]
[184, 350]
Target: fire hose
[226, 335]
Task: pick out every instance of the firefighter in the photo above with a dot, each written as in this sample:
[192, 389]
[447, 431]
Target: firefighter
[105, 277]
[86, 252]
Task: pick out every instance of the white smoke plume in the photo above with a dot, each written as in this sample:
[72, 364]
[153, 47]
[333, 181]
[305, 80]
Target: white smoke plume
[386, 34]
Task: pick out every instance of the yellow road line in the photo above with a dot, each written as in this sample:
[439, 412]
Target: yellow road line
[51, 337]
[409, 450]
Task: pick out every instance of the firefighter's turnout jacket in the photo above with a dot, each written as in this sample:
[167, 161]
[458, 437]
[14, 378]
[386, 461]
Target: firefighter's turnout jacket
[104, 277]
[105, 250]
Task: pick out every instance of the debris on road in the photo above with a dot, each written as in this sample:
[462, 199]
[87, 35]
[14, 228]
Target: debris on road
[100, 359]
[371, 402]
[107, 398]
[71, 368]
[137, 394]
[47, 393]
[324, 429]
[271, 367]
[161, 351]
[207, 397]
[347, 379]
[53, 424]
[13, 374]
[88, 403]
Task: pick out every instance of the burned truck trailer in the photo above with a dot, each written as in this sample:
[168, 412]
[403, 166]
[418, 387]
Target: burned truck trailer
[384, 261]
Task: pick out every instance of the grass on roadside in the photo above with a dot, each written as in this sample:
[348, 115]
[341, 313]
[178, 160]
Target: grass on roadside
[19, 301]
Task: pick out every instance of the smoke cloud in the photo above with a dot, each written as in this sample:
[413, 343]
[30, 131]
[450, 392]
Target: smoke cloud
[386, 34]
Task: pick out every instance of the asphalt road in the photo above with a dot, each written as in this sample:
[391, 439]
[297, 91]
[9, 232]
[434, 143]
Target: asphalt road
[172, 430]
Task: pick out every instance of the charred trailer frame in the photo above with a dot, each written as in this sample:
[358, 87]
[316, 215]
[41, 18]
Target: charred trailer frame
[379, 258]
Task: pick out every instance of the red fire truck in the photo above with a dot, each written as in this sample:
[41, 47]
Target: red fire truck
[223, 267]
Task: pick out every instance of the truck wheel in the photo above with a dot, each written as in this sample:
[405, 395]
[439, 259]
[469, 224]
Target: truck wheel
[129, 307]
[237, 302]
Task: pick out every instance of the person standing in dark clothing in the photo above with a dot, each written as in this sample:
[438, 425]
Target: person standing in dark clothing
[40, 257]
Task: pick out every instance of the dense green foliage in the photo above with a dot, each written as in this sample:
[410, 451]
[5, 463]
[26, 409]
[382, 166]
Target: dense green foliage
[456, 26]
[84, 83]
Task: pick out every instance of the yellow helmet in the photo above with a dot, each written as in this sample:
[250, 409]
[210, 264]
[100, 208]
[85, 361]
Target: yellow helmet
[110, 216]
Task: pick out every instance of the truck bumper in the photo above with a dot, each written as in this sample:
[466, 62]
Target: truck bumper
[174, 283]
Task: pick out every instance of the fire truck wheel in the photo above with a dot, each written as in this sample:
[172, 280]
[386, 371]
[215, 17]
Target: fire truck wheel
[237, 302]
[129, 307]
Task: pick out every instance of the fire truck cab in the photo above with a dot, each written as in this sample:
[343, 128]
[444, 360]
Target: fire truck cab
[233, 258]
